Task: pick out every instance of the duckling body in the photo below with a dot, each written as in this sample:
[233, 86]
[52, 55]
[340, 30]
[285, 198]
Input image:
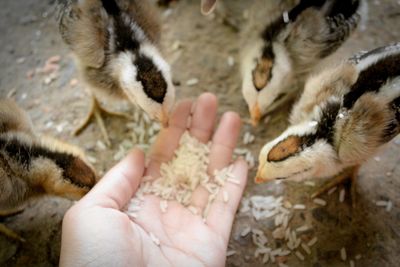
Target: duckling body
[32, 165]
[115, 43]
[345, 115]
[291, 39]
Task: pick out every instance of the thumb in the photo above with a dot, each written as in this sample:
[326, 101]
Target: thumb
[119, 184]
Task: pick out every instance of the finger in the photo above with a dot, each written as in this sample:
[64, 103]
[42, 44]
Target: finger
[118, 186]
[224, 142]
[203, 117]
[168, 139]
[221, 215]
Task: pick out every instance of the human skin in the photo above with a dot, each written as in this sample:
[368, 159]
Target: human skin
[97, 233]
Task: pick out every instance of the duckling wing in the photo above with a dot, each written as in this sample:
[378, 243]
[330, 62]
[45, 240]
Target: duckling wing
[362, 130]
[83, 27]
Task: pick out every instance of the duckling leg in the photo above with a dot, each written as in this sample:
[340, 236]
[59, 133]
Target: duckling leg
[96, 111]
[10, 233]
[7, 231]
[350, 173]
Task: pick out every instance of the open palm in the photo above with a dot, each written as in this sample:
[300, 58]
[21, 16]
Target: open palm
[96, 232]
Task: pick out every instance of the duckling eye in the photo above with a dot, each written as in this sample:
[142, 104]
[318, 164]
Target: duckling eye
[285, 149]
[154, 84]
[262, 73]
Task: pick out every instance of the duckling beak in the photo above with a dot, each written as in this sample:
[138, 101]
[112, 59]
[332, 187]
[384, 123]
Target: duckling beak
[255, 114]
[259, 179]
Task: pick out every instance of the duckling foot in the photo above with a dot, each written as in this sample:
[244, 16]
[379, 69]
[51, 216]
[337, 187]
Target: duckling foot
[350, 173]
[10, 233]
[96, 112]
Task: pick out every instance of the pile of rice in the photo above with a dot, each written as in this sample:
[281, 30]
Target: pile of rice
[281, 212]
[290, 239]
[181, 176]
[143, 133]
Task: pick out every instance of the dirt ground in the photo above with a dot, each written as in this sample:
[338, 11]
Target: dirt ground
[29, 36]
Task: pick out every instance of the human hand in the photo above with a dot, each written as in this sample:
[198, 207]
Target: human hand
[96, 232]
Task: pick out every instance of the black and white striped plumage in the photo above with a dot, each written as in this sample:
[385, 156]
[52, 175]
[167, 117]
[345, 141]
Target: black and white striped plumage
[116, 46]
[276, 64]
[344, 116]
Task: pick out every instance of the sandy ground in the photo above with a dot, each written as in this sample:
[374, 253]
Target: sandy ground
[29, 37]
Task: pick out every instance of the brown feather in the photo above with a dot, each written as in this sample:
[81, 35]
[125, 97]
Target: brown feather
[360, 133]
[33, 165]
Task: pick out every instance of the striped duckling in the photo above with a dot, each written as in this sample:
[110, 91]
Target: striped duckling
[345, 115]
[279, 55]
